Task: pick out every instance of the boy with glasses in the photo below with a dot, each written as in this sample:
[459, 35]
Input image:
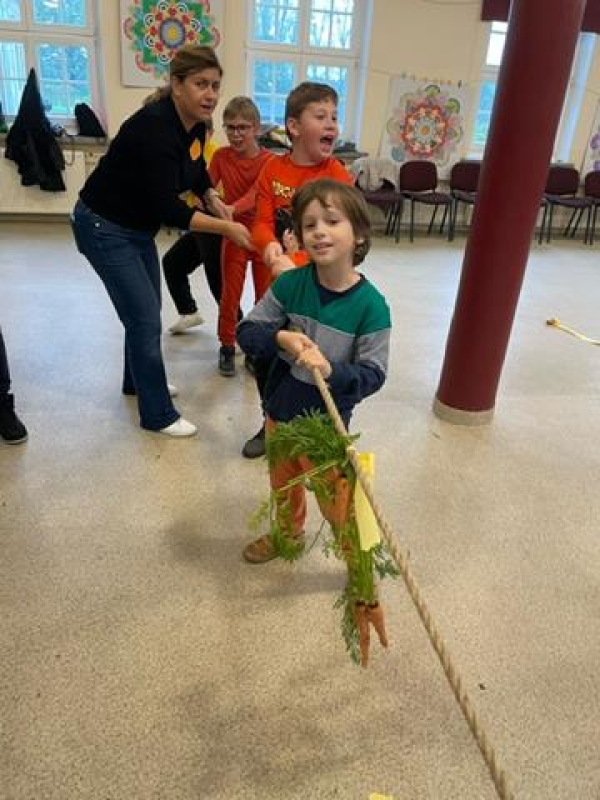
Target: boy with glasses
[234, 172]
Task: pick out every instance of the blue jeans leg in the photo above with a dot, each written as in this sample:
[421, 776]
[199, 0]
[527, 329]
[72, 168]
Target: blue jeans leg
[127, 263]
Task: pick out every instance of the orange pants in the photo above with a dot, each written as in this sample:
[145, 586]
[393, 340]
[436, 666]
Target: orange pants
[291, 504]
[234, 261]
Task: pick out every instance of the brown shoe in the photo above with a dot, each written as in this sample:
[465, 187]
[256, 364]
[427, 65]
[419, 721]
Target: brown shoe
[262, 550]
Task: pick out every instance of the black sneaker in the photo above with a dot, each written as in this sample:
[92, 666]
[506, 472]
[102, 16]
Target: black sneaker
[12, 429]
[227, 361]
[255, 447]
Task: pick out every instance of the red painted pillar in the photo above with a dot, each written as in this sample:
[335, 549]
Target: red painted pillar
[540, 45]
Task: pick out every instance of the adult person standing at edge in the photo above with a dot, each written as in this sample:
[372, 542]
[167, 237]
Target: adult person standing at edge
[137, 186]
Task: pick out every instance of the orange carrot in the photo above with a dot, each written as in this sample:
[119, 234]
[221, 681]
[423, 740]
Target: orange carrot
[363, 616]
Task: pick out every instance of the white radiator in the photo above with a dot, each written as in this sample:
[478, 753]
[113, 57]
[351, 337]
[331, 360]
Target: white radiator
[18, 199]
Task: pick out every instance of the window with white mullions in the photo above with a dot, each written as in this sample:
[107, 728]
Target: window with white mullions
[56, 38]
[270, 88]
[331, 24]
[276, 21]
[296, 40]
[573, 98]
[70, 13]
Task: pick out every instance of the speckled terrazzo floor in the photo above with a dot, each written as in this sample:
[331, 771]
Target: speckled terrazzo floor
[141, 659]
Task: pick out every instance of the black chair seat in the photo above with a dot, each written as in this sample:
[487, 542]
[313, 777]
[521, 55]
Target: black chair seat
[429, 198]
[464, 197]
[568, 202]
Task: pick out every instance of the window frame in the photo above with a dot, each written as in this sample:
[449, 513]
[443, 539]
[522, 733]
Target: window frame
[303, 55]
[565, 133]
[32, 34]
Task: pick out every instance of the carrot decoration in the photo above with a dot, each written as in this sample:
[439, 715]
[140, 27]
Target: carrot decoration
[321, 453]
[364, 616]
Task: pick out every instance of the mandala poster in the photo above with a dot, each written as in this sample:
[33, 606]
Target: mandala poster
[425, 121]
[152, 31]
[591, 161]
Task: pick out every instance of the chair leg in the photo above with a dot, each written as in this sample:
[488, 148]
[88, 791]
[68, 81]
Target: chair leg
[549, 226]
[543, 225]
[452, 222]
[588, 218]
[389, 221]
[443, 222]
[577, 212]
[432, 220]
[412, 218]
[593, 226]
[398, 219]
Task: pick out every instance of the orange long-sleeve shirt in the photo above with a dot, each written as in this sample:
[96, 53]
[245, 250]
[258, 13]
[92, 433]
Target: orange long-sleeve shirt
[277, 184]
[236, 178]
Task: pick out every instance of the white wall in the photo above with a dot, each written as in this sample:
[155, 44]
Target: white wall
[426, 39]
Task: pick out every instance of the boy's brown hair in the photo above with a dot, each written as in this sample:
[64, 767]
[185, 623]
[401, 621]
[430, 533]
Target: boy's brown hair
[347, 199]
[304, 94]
[187, 60]
[242, 106]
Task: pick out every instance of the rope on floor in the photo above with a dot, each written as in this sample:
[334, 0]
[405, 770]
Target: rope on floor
[556, 323]
[454, 679]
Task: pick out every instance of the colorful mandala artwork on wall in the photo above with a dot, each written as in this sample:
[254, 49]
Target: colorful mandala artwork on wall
[591, 162]
[153, 30]
[425, 121]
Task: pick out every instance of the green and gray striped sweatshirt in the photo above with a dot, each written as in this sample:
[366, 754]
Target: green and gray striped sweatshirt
[351, 328]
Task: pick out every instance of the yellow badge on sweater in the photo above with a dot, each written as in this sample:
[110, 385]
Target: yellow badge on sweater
[368, 529]
[195, 149]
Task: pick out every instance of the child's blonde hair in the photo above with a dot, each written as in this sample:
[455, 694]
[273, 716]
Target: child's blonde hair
[347, 199]
[242, 106]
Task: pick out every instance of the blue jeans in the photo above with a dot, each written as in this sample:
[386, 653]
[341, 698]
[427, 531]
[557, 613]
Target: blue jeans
[127, 263]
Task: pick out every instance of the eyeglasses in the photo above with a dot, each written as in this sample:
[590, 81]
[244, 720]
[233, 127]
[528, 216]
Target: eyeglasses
[233, 129]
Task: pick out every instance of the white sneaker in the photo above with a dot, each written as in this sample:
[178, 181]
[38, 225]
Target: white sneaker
[186, 321]
[181, 427]
[173, 390]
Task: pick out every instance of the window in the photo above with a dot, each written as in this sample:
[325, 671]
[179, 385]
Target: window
[56, 38]
[295, 40]
[487, 89]
[573, 100]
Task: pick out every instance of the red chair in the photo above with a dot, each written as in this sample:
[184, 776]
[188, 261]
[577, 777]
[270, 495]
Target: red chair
[418, 183]
[388, 199]
[561, 189]
[464, 178]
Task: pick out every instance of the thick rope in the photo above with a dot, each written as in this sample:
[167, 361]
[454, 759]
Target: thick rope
[556, 323]
[454, 679]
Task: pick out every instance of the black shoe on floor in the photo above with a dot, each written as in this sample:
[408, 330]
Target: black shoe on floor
[12, 429]
[227, 361]
[255, 447]
[249, 363]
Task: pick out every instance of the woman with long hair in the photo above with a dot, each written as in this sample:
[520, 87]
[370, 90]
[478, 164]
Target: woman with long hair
[139, 185]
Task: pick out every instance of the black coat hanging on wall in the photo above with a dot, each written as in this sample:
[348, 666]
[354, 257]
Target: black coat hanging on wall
[31, 142]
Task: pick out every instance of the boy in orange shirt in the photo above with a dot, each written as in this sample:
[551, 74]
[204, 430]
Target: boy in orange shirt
[234, 171]
[311, 121]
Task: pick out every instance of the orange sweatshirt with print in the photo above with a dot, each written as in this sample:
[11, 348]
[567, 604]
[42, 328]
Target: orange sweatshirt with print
[235, 178]
[277, 184]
